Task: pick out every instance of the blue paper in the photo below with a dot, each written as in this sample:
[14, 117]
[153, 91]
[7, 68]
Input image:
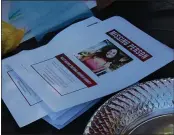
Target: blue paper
[41, 17]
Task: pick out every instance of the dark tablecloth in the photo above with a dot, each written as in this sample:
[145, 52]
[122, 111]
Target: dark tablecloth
[155, 18]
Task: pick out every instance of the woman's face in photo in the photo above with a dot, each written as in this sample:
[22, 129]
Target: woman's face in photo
[111, 53]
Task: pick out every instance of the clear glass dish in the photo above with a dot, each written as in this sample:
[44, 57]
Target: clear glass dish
[128, 111]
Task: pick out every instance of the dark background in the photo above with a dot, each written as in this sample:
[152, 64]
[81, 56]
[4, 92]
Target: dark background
[155, 18]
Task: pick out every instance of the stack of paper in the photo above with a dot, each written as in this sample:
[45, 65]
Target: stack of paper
[83, 63]
[25, 105]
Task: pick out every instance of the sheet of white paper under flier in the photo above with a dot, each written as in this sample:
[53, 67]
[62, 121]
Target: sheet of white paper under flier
[70, 115]
[57, 119]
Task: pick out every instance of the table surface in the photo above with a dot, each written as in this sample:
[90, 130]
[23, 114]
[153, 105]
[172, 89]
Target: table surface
[154, 19]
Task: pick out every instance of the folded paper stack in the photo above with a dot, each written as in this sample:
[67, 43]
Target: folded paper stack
[84, 62]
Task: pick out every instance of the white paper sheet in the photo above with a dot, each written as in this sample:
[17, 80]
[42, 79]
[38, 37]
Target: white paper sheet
[36, 67]
[70, 115]
[24, 105]
[20, 99]
[60, 119]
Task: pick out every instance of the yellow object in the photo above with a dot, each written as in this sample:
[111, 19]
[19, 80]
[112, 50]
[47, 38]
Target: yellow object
[11, 37]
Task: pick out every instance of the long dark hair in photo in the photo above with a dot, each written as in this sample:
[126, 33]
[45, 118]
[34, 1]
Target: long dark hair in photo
[102, 53]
